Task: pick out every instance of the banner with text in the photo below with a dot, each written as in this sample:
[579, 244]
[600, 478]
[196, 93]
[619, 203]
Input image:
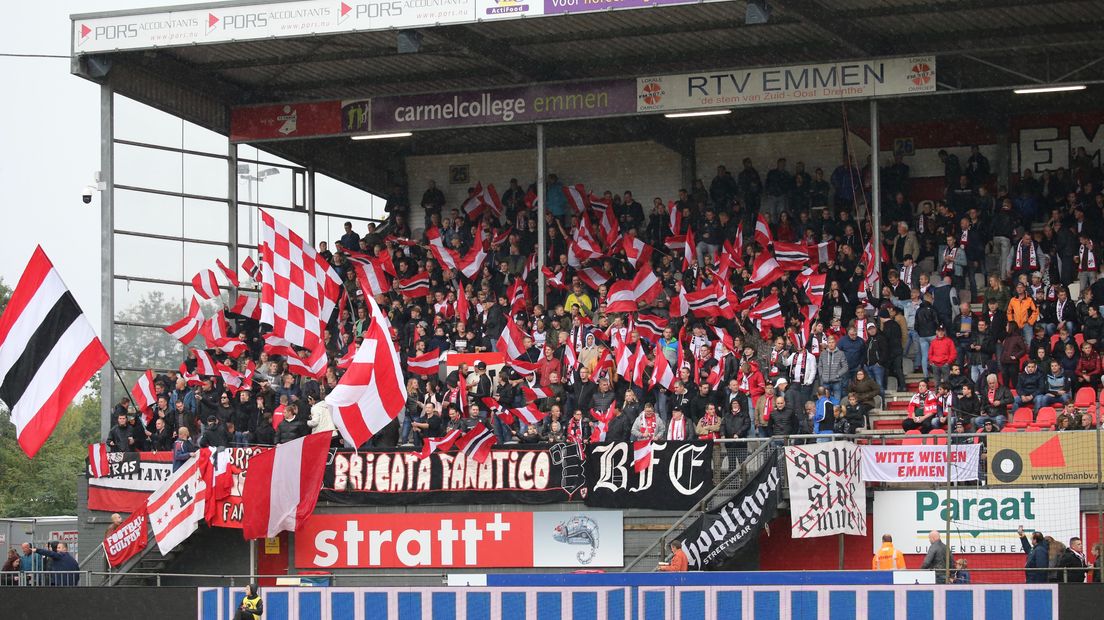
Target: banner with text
[920, 463]
[134, 475]
[796, 83]
[274, 20]
[1043, 459]
[129, 539]
[566, 539]
[524, 475]
[982, 520]
[827, 495]
[712, 540]
[228, 510]
[680, 474]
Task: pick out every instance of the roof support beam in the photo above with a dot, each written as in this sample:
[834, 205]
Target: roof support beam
[814, 16]
[497, 53]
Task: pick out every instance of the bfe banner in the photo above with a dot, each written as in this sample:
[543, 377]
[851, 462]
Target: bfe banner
[134, 475]
[920, 463]
[525, 475]
[461, 540]
[125, 542]
[680, 474]
[826, 494]
[716, 536]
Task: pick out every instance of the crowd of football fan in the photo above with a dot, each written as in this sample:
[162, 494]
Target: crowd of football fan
[1013, 251]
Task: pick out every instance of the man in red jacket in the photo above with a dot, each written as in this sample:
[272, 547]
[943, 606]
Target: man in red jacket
[941, 355]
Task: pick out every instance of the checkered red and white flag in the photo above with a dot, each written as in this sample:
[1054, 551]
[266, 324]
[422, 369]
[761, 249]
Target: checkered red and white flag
[299, 289]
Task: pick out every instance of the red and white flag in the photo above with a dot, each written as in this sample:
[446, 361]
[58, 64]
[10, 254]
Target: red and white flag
[413, 287]
[476, 444]
[247, 306]
[250, 267]
[439, 444]
[763, 235]
[704, 302]
[231, 275]
[662, 373]
[205, 364]
[523, 368]
[624, 296]
[282, 487]
[814, 285]
[98, 464]
[512, 340]
[214, 329]
[529, 414]
[372, 391]
[142, 392]
[873, 270]
[445, 256]
[177, 507]
[482, 199]
[535, 393]
[313, 366]
[791, 256]
[689, 250]
[650, 326]
[471, 264]
[582, 247]
[426, 365]
[593, 277]
[299, 289]
[554, 279]
[642, 455]
[191, 378]
[821, 253]
[765, 270]
[370, 273]
[680, 304]
[637, 252]
[674, 215]
[186, 329]
[48, 351]
[205, 285]
[577, 197]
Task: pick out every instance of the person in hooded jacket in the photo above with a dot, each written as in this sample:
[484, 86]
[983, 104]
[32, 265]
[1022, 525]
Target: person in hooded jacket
[1038, 556]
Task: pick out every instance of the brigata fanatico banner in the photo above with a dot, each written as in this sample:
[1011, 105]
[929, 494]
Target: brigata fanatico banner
[920, 463]
[525, 475]
[826, 494]
[712, 540]
[796, 83]
[679, 475]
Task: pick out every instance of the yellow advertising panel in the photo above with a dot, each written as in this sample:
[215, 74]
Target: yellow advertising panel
[1041, 459]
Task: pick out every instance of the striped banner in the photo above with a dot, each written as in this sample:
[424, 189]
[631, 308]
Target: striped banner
[644, 602]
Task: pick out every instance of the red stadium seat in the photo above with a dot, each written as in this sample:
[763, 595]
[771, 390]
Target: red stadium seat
[1084, 398]
[1046, 419]
[1053, 340]
[915, 438]
[1022, 418]
[941, 439]
[1008, 428]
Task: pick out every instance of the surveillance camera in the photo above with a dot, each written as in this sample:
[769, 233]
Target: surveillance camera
[86, 195]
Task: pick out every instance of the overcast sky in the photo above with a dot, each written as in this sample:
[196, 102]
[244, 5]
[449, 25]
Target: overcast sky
[50, 136]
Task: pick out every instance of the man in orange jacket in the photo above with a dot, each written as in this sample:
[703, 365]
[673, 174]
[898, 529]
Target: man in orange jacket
[888, 557]
[679, 563]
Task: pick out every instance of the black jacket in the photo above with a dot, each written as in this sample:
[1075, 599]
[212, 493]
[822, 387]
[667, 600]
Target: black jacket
[289, 430]
[1070, 560]
[926, 320]
[735, 426]
[620, 428]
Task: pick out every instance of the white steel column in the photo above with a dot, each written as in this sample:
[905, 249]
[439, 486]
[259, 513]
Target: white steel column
[542, 234]
[107, 250]
[875, 196]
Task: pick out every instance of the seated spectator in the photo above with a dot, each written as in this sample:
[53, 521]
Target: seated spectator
[1030, 387]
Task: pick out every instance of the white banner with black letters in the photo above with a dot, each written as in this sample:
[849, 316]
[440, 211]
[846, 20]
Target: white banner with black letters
[827, 495]
[679, 475]
[712, 540]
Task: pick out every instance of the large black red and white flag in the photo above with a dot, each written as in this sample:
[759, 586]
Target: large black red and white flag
[48, 351]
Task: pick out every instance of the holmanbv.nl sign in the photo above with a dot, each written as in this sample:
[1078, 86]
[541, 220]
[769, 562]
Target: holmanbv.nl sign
[796, 83]
[981, 520]
[308, 17]
[568, 539]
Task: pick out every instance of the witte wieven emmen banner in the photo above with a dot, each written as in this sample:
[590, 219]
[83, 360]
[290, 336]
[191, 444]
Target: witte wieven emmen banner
[920, 463]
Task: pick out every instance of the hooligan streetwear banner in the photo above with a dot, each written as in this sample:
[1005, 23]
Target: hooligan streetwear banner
[716, 536]
[680, 474]
[827, 495]
[524, 475]
[920, 463]
[125, 542]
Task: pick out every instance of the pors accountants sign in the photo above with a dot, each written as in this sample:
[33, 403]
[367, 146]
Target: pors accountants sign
[759, 86]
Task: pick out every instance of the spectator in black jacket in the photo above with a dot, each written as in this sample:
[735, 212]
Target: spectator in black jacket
[291, 428]
[1072, 564]
[64, 568]
[214, 434]
[161, 438]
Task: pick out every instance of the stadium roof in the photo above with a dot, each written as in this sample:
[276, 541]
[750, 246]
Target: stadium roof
[980, 46]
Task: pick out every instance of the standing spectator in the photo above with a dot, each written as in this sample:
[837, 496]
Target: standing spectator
[832, 366]
[937, 558]
[10, 569]
[182, 447]
[1072, 565]
[252, 606]
[63, 564]
[960, 574]
[1038, 556]
[679, 562]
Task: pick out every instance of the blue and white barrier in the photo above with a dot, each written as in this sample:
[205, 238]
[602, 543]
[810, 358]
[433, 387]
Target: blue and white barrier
[647, 602]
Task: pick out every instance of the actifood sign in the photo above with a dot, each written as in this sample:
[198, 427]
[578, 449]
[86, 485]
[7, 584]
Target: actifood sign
[980, 520]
